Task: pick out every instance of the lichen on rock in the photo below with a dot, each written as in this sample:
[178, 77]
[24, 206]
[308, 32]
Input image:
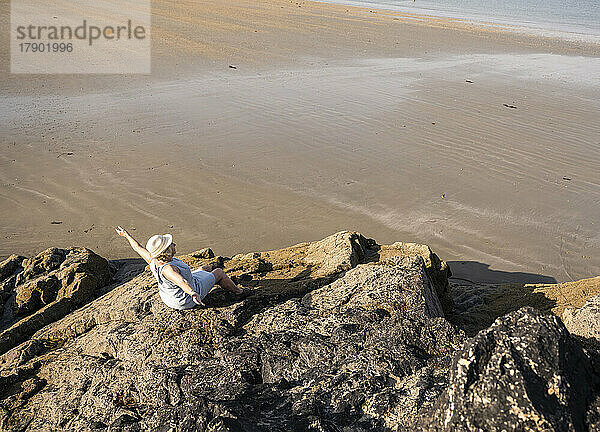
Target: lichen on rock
[584, 321]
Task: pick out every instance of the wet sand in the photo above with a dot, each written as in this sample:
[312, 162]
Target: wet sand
[483, 144]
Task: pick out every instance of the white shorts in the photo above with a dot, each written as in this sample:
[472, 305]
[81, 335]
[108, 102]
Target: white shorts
[203, 282]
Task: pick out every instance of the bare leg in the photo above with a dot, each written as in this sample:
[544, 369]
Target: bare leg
[223, 280]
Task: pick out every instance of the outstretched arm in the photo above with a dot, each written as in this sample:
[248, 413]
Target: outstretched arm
[141, 251]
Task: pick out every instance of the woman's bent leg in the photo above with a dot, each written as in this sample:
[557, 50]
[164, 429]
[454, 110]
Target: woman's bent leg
[223, 280]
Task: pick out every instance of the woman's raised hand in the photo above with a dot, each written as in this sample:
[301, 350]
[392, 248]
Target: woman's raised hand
[122, 232]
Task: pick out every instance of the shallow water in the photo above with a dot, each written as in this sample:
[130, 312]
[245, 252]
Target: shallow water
[581, 17]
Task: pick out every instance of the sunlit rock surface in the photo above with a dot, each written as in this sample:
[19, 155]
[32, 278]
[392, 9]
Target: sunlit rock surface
[341, 334]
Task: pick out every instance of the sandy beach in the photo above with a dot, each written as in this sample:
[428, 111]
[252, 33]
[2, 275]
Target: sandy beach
[267, 124]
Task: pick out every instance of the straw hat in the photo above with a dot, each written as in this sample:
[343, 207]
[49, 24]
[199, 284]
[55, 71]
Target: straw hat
[157, 244]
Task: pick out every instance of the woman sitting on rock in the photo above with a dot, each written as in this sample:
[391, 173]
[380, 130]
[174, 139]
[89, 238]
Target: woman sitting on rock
[178, 286]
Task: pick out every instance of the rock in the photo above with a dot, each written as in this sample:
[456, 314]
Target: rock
[362, 346]
[9, 266]
[358, 288]
[337, 253]
[341, 334]
[44, 262]
[584, 321]
[437, 270]
[205, 253]
[57, 273]
[33, 294]
[50, 286]
[523, 373]
[367, 348]
[478, 305]
[332, 255]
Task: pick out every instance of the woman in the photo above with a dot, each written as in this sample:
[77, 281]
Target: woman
[178, 286]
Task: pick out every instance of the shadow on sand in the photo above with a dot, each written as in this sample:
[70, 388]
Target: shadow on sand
[481, 294]
[477, 272]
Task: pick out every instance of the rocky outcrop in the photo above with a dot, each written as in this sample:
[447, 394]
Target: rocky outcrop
[332, 255]
[341, 334]
[325, 340]
[477, 305]
[58, 273]
[9, 268]
[584, 321]
[48, 287]
[524, 373]
[437, 270]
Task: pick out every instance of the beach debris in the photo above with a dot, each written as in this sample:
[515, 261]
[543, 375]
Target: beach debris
[469, 81]
[158, 166]
[89, 229]
[443, 195]
[55, 222]
[567, 178]
[433, 123]
[65, 154]
[510, 106]
[232, 67]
